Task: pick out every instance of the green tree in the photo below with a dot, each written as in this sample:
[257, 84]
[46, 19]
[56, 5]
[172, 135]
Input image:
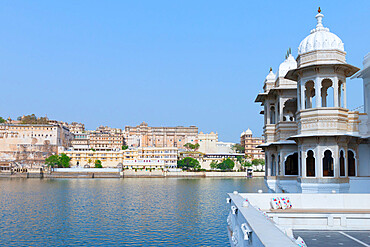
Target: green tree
[64, 160]
[124, 147]
[226, 164]
[188, 163]
[243, 161]
[214, 165]
[32, 119]
[58, 161]
[2, 120]
[52, 161]
[98, 164]
[257, 162]
[192, 147]
[238, 148]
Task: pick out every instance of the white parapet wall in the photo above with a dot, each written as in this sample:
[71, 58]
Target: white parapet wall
[253, 222]
[316, 211]
[249, 227]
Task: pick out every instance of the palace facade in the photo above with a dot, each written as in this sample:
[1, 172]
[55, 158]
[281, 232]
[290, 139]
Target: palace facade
[32, 143]
[251, 144]
[145, 157]
[147, 136]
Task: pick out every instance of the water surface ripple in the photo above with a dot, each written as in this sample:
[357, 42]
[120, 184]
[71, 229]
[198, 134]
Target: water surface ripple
[117, 212]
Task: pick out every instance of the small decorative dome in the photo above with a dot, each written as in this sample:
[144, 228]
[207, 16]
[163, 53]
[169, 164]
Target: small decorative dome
[270, 76]
[243, 133]
[288, 64]
[248, 132]
[320, 39]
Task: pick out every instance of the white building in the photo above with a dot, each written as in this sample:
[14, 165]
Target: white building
[364, 128]
[207, 142]
[312, 139]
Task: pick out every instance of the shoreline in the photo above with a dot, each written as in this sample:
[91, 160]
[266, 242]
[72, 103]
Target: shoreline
[131, 174]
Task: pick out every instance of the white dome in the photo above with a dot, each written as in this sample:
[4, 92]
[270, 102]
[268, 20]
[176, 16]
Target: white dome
[248, 132]
[270, 76]
[288, 64]
[320, 39]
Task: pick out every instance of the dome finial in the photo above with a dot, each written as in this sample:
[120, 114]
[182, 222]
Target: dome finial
[270, 69]
[319, 17]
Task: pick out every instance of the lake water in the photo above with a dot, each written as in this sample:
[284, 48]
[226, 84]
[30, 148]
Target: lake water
[117, 212]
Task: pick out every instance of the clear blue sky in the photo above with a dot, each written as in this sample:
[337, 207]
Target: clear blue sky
[167, 63]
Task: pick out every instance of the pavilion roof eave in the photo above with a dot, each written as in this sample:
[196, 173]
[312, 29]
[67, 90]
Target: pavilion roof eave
[323, 134]
[260, 97]
[293, 74]
[288, 142]
[361, 73]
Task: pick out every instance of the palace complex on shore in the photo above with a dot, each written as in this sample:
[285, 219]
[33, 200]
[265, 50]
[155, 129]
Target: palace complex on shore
[142, 146]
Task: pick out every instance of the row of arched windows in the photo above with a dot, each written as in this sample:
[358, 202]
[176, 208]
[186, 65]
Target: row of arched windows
[291, 164]
[327, 94]
[328, 164]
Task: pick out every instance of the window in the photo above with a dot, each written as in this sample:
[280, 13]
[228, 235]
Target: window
[273, 165]
[272, 114]
[327, 93]
[351, 164]
[328, 164]
[341, 163]
[310, 164]
[291, 164]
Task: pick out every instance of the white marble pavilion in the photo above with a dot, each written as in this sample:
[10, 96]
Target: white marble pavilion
[314, 143]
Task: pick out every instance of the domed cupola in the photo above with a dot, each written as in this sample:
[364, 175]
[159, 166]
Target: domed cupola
[320, 39]
[269, 81]
[288, 64]
[321, 46]
[271, 76]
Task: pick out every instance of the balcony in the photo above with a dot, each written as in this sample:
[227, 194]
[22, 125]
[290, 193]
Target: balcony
[328, 120]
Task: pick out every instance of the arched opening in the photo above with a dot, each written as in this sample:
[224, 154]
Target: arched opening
[289, 110]
[310, 164]
[351, 163]
[328, 164]
[278, 168]
[310, 95]
[342, 168]
[340, 94]
[272, 114]
[291, 164]
[273, 165]
[327, 93]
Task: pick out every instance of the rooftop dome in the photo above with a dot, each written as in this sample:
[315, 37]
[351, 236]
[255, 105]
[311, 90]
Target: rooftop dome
[270, 76]
[320, 39]
[288, 64]
[248, 132]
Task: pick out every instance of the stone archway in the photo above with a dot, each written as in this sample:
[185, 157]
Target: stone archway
[328, 164]
[291, 164]
[351, 163]
[342, 167]
[310, 164]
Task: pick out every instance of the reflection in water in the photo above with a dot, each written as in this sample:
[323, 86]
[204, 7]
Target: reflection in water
[117, 212]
